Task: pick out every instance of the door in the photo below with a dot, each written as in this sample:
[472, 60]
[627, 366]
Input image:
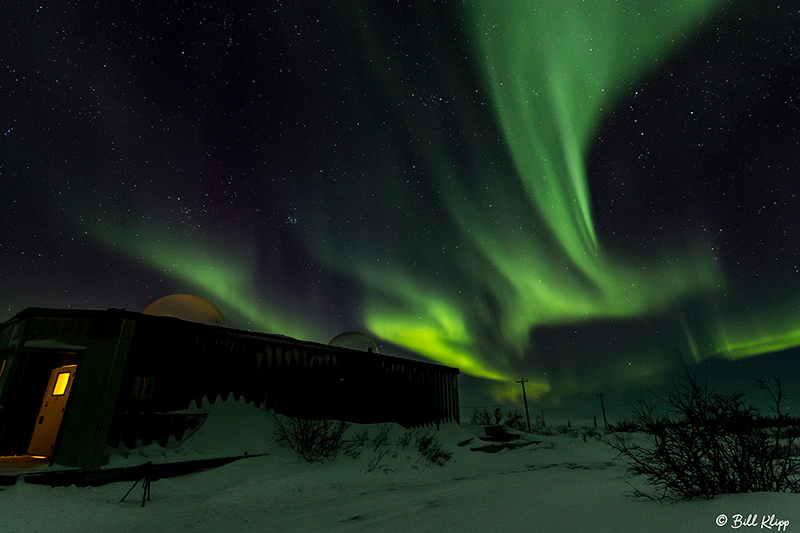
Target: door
[52, 411]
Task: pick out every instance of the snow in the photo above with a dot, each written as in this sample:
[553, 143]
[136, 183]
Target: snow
[561, 483]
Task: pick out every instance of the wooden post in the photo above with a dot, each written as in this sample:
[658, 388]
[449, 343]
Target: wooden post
[525, 401]
[603, 408]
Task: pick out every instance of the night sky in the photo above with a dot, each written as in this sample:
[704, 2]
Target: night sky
[589, 195]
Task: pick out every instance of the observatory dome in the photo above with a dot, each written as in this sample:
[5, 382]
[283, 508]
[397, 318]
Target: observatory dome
[187, 307]
[355, 341]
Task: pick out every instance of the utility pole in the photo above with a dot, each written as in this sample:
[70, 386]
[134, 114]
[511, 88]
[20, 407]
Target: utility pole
[525, 401]
[603, 408]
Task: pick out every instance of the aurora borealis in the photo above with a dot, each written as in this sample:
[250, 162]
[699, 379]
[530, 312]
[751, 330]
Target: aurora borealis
[584, 194]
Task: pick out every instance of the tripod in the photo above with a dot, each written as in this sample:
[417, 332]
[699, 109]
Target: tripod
[145, 479]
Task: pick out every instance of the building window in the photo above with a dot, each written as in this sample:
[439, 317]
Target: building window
[61, 384]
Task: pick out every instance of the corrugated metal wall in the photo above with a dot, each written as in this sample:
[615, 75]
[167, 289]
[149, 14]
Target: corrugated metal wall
[191, 362]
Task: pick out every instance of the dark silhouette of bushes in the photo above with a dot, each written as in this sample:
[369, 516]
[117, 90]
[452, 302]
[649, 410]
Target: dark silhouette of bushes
[624, 426]
[431, 450]
[512, 419]
[704, 443]
[314, 440]
[322, 440]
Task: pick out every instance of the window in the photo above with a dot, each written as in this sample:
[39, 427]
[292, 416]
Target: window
[61, 384]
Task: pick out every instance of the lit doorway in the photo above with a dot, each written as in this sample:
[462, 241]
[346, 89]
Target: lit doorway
[51, 412]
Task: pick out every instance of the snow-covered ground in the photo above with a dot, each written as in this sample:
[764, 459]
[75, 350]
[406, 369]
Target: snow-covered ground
[562, 483]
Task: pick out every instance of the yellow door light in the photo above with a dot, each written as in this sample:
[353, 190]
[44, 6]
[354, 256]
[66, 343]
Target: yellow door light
[61, 384]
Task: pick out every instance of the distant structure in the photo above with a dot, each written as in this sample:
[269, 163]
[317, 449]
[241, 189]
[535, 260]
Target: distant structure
[187, 307]
[354, 341]
[75, 384]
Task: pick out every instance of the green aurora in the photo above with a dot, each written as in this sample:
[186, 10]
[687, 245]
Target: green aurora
[552, 70]
[509, 244]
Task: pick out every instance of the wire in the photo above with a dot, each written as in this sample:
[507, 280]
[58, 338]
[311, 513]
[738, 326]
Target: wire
[493, 405]
[522, 405]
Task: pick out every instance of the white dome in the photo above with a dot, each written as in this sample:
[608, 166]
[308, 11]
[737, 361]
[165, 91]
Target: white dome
[354, 341]
[187, 307]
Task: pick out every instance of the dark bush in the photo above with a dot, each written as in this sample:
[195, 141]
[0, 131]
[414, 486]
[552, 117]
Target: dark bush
[379, 444]
[381, 436]
[481, 417]
[704, 443]
[512, 418]
[429, 447]
[624, 426]
[405, 439]
[355, 446]
[515, 420]
[314, 440]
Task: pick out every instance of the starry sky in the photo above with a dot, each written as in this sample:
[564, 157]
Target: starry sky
[589, 195]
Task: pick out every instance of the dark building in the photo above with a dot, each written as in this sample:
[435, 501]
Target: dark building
[74, 383]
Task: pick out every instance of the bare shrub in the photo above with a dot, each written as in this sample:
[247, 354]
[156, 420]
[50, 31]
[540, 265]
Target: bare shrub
[512, 418]
[376, 459]
[704, 443]
[624, 426]
[381, 438]
[313, 440]
[431, 449]
[355, 446]
[481, 417]
[380, 446]
[405, 439]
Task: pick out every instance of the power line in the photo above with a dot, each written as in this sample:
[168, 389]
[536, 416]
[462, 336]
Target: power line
[515, 404]
[532, 404]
